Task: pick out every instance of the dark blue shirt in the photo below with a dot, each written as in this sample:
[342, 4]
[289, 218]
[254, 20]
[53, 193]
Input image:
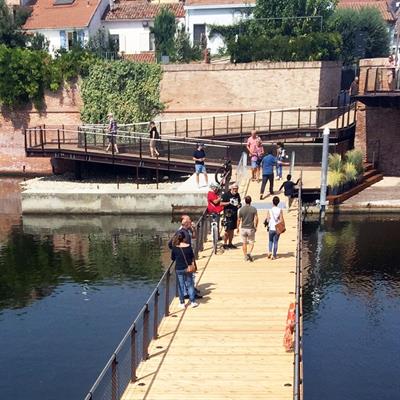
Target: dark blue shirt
[199, 154]
[183, 256]
[268, 163]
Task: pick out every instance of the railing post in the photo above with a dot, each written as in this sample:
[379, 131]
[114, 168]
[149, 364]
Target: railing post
[85, 139]
[160, 128]
[25, 140]
[167, 283]
[241, 122]
[270, 121]
[348, 114]
[376, 79]
[213, 126]
[140, 148]
[133, 354]
[155, 317]
[58, 139]
[44, 134]
[227, 123]
[254, 120]
[281, 120]
[146, 333]
[201, 126]
[317, 117]
[41, 138]
[187, 127]
[343, 113]
[169, 151]
[114, 379]
[95, 139]
[63, 133]
[298, 119]
[175, 128]
[366, 81]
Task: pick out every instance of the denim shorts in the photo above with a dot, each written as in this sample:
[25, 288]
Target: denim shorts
[254, 164]
[200, 168]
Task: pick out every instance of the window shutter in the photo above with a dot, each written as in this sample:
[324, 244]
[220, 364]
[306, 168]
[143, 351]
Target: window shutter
[63, 40]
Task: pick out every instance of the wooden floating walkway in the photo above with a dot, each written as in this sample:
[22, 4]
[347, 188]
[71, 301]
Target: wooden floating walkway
[231, 346]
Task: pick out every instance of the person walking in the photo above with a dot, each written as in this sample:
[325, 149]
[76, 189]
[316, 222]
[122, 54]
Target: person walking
[182, 254]
[353, 89]
[260, 155]
[231, 202]
[214, 203]
[199, 157]
[274, 216]
[280, 159]
[248, 219]
[112, 133]
[154, 136]
[267, 165]
[252, 150]
[289, 189]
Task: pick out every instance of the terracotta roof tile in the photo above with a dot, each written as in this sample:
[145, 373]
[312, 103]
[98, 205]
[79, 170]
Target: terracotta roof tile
[47, 15]
[381, 5]
[218, 2]
[142, 10]
[145, 56]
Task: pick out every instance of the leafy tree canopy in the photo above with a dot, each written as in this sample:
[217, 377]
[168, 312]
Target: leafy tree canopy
[164, 32]
[10, 32]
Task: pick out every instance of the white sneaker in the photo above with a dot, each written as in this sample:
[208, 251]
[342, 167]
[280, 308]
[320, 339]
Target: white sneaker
[182, 305]
[194, 305]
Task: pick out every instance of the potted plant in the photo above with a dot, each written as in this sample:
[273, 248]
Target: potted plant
[355, 157]
[335, 181]
[350, 175]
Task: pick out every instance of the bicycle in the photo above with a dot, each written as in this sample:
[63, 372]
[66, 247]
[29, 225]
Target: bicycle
[223, 175]
[214, 231]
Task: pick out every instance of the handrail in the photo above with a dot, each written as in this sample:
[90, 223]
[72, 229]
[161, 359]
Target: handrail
[113, 367]
[382, 79]
[297, 375]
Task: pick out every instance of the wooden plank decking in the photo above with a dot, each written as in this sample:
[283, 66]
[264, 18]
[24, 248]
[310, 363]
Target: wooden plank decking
[230, 347]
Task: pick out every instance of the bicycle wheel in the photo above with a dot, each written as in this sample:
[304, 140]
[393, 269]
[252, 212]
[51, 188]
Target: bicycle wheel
[215, 238]
[219, 175]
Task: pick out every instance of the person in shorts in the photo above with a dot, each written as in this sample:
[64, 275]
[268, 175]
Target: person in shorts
[112, 133]
[252, 148]
[199, 157]
[247, 224]
[289, 190]
[231, 202]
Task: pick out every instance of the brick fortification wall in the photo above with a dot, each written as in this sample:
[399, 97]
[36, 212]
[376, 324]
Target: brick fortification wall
[190, 87]
[378, 131]
[58, 108]
[247, 87]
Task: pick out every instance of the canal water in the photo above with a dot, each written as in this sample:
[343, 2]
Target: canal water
[351, 309]
[69, 289]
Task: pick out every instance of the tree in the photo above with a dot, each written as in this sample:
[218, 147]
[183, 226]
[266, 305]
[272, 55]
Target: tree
[38, 42]
[10, 32]
[102, 44]
[364, 33]
[184, 51]
[164, 32]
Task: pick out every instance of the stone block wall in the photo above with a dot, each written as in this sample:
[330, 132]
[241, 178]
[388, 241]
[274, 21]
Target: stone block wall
[247, 87]
[61, 107]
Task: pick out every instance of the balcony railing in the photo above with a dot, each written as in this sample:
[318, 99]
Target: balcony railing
[382, 80]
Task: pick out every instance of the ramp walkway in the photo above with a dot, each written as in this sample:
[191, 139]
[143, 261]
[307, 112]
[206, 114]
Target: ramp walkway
[231, 346]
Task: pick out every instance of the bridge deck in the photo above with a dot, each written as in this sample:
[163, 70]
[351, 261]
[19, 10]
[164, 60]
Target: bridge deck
[230, 347]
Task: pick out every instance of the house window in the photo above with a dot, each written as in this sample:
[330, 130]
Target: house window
[63, 39]
[114, 39]
[151, 42]
[199, 31]
[72, 39]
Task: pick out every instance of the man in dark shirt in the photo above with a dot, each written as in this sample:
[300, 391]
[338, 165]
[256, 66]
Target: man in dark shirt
[289, 189]
[231, 202]
[199, 156]
[154, 136]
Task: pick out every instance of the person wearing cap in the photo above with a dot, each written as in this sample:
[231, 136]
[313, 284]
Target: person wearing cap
[231, 202]
[214, 202]
[112, 132]
[199, 156]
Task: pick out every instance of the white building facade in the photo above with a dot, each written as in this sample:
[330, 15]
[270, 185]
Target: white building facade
[200, 16]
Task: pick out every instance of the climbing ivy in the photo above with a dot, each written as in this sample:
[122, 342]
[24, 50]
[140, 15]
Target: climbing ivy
[131, 91]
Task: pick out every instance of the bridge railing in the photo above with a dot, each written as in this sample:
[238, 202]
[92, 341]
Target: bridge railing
[298, 328]
[382, 79]
[275, 120]
[45, 138]
[121, 368]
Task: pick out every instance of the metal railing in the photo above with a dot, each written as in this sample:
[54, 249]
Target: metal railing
[382, 79]
[298, 328]
[59, 139]
[120, 370]
[274, 120]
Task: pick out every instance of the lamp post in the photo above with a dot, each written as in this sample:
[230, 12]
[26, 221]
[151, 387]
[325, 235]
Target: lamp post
[324, 171]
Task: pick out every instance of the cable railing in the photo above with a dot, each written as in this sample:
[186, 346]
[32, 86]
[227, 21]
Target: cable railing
[382, 79]
[298, 328]
[274, 120]
[121, 368]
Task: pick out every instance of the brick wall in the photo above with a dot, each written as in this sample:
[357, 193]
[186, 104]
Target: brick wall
[61, 107]
[378, 131]
[253, 86]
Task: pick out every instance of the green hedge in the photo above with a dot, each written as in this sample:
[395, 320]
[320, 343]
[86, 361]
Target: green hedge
[311, 47]
[131, 91]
